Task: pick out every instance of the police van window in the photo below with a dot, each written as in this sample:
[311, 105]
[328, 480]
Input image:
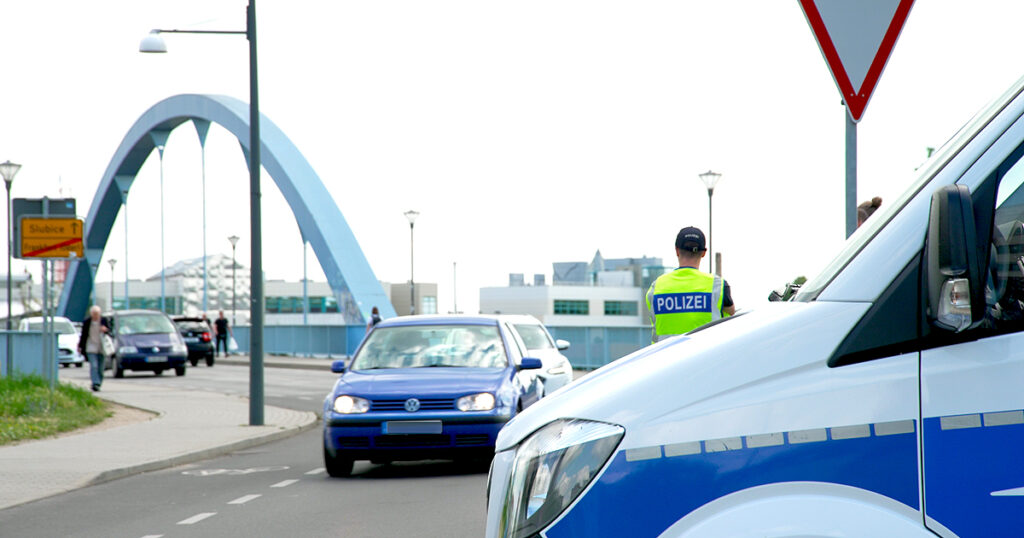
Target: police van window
[1004, 291]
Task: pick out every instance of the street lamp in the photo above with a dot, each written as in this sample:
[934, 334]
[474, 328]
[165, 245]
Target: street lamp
[710, 179]
[127, 295]
[112, 263]
[411, 215]
[160, 140]
[233, 239]
[8, 170]
[155, 43]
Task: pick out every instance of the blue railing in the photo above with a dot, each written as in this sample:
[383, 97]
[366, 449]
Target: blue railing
[27, 348]
[592, 347]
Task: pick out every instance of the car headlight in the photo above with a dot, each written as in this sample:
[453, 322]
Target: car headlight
[350, 405]
[179, 348]
[551, 469]
[476, 402]
[127, 350]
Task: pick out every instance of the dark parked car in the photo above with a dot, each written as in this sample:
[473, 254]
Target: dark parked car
[198, 338]
[147, 340]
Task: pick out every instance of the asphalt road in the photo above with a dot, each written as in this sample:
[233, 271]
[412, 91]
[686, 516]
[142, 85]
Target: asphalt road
[278, 489]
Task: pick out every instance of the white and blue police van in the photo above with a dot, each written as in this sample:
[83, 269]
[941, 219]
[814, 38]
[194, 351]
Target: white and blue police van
[886, 399]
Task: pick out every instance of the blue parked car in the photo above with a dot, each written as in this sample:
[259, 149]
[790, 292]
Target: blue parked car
[427, 387]
[147, 340]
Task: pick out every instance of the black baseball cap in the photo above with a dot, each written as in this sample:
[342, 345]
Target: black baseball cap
[691, 239]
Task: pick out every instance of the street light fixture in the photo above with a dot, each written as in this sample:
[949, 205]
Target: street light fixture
[8, 170]
[710, 179]
[112, 263]
[411, 215]
[234, 240]
[154, 43]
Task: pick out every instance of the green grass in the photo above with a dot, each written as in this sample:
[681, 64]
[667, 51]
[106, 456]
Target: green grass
[29, 410]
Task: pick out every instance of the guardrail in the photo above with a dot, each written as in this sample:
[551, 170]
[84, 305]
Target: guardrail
[592, 347]
[27, 349]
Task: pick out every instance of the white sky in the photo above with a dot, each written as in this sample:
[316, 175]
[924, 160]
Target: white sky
[524, 132]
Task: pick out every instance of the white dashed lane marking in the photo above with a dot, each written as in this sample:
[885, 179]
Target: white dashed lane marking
[245, 499]
[284, 483]
[153, 536]
[196, 518]
[318, 470]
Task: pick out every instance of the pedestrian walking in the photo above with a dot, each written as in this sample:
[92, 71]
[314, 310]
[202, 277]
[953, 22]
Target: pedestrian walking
[221, 331]
[374, 319]
[687, 298]
[866, 209]
[94, 329]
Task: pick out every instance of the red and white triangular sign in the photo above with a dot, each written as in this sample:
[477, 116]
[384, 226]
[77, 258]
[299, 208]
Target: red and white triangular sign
[856, 38]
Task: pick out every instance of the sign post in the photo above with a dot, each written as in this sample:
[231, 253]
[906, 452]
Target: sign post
[856, 39]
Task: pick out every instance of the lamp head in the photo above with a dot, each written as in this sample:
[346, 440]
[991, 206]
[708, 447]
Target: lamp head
[411, 215]
[233, 239]
[112, 261]
[153, 43]
[8, 170]
[710, 179]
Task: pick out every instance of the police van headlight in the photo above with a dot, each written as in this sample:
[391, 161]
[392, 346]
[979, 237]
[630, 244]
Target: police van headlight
[551, 469]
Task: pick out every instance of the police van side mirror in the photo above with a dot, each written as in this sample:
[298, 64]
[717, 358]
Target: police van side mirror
[956, 293]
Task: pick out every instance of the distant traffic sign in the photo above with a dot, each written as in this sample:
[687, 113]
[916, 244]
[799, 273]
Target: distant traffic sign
[51, 238]
[856, 39]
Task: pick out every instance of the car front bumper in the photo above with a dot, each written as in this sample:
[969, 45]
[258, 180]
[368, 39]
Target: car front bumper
[362, 437]
[150, 362]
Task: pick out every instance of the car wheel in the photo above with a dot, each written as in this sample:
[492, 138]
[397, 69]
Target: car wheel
[64, 365]
[158, 372]
[336, 466]
[118, 369]
[79, 365]
[209, 360]
[179, 370]
[195, 362]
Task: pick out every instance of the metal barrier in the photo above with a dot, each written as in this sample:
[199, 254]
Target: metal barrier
[28, 353]
[594, 347]
[305, 340]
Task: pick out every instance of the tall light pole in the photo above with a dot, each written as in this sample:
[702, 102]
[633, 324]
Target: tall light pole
[710, 179]
[8, 170]
[112, 263]
[234, 240]
[127, 296]
[154, 43]
[160, 140]
[411, 215]
[202, 129]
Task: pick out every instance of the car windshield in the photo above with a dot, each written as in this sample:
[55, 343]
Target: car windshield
[59, 326]
[425, 346]
[195, 326]
[534, 336]
[144, 324]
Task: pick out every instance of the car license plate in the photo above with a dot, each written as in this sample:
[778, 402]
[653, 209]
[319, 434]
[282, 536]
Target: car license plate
[156, 359]
[405, 427]
[191, 339]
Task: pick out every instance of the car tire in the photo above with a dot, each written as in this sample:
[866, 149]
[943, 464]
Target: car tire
[158, 372]
[195, 362]
[337, 467]
[179, 370]
[209, 360]
[79, 365]
[118, 369]
[64, 365]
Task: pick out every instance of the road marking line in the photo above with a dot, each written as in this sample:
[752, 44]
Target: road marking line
[245, 499]
[284, 483]
[153, 536]
[306, 398]
[196, 518]
[318, 470]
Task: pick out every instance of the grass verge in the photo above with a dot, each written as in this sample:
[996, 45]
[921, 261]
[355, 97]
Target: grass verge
[29, 410]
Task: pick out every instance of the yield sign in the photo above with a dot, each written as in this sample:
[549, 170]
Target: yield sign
[856, 38]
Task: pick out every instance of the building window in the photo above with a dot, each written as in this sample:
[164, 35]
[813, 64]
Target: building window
[571, 307]
[429, 305]
[330, 304]
[620, 308]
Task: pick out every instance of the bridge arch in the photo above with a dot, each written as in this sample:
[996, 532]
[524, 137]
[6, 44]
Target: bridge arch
[320, 221]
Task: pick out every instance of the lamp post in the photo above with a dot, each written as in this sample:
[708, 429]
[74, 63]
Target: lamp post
[710, 179]
[8, 170]
[112, 263]
[155, 43]
[160, 141]
[127, 296]
[234, 240]
[411, 215]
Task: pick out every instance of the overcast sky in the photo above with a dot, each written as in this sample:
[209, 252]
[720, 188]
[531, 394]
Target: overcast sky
[524, 132]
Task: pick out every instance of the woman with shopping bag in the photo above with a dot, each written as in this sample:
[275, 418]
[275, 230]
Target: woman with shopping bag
[96, 344]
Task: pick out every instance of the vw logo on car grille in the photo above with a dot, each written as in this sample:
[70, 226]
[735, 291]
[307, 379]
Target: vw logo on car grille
[412, 405]
[156, 350]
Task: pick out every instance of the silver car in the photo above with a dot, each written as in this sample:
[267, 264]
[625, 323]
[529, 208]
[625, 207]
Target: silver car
[557, 371]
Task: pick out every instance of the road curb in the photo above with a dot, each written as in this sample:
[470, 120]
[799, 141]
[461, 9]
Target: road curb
[275, 364]
[115, 474]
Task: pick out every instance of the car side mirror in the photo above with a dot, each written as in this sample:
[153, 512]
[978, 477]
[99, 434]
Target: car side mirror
[562, 345]
[338, 367]
[956, 292]
[529, 363]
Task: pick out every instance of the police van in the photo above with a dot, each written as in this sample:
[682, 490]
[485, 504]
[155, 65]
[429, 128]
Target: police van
[886, 399]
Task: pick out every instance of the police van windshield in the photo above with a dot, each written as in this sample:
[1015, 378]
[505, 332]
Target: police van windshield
[867, 232]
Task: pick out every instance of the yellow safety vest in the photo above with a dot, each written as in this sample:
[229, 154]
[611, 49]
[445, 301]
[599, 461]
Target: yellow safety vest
[683, 300]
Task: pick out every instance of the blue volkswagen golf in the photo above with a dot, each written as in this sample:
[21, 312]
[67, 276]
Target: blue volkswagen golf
[427, 387]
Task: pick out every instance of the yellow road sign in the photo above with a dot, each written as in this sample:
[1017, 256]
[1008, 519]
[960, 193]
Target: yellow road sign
[52, 238]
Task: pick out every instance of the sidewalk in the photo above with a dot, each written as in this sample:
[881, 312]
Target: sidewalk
[190, 426]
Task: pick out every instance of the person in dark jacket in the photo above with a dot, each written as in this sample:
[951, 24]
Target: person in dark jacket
[90, 344]
[374, 319]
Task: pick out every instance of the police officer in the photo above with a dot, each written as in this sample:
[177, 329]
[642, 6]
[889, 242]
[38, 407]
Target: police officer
[686, 298]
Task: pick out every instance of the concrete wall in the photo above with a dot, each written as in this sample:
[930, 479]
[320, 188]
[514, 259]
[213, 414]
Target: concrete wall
[539, 302]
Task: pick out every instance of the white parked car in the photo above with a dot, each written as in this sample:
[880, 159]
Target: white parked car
[557, 370]
[885, 399]
[67, 339]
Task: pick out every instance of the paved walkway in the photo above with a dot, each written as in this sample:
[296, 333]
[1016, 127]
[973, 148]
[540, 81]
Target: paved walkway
[190, 426]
